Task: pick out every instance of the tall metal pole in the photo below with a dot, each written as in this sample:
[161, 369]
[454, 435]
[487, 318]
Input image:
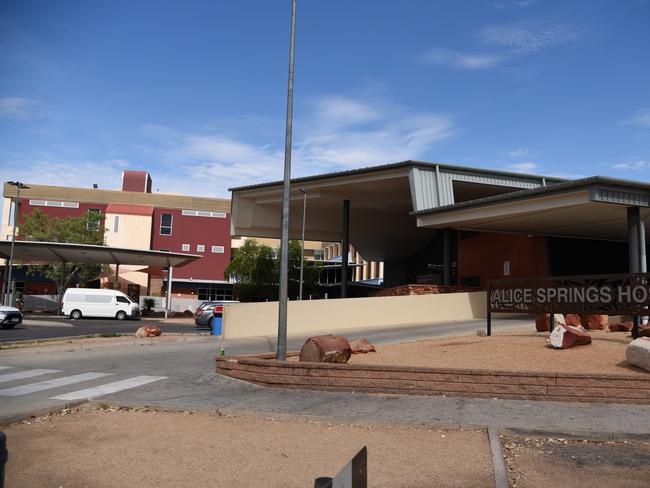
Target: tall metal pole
[281, 352]
[302, 247]
[10, 263]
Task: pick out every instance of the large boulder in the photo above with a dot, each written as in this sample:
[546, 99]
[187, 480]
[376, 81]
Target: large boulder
[566, 336]
[621, 326]
[361, 346]
[638, 353]
[572, 319]
[326, 349]
[148, 331]
[543, 322]
[594, 322]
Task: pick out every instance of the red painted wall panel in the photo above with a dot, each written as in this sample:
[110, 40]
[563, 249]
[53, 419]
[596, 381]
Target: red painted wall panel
[482, 254]
[191, 230]
[57, 212]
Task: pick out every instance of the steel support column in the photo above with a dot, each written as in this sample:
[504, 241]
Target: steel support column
[345, 248]
[170, 277]
[636, 251]
[446, 257]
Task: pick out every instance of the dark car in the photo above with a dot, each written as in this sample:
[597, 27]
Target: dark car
[207, 310]
[10, 317]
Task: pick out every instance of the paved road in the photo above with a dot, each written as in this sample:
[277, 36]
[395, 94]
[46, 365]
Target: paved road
[34, 327]
[179, 374]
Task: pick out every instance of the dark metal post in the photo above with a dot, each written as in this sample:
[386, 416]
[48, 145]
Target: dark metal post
[61, 290]
[10, 264]
[489, 313]
[634, 253]
[323, 482]
[345, 248]
[446, 257]
[4, 457]
[281, 353]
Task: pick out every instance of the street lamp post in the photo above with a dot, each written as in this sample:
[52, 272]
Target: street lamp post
[10, 264]
[302, 248]
[281, 353]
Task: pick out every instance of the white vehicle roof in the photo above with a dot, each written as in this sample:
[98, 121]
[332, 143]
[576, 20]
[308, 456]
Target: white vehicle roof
[94, 291]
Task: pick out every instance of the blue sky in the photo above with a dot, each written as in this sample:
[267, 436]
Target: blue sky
[195, 91]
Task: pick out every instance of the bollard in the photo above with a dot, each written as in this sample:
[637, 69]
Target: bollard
[4, 456]
[323, 482]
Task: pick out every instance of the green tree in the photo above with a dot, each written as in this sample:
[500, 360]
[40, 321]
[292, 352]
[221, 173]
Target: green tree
[257, 272]
[87, 229]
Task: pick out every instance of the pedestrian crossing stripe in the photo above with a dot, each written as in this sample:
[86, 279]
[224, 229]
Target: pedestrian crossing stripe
[50, 384]
[30, 373]
[108, 388]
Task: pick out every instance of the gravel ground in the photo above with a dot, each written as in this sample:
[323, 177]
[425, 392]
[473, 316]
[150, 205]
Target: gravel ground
[108, 447]
[515, 351]
[544, 462]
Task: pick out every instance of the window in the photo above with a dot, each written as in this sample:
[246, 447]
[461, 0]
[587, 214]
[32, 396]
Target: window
[204, 213]
[122, 299]
[116, 223]
[165, 224]
[217, 249]
[214, 294]
[93, 216]
[319, 254]
[185, 247]
[53, 203]
[200, 248]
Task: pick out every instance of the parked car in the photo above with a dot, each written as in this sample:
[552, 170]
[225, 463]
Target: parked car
[207, 310]
[93, 302]
[10, 317]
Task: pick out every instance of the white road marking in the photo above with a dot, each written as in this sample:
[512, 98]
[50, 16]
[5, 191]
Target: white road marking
[30, 373]
[109, 388]
[5, 367]
[45, 323]
[49, 384]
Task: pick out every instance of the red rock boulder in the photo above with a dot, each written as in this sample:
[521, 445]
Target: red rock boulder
[572, 319]
[148, 331]
[594, 322]
[326, 349]
[621, 327]
[361, 346]
[566, 336]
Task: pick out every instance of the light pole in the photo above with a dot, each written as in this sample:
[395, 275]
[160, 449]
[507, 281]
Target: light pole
[302, 248]
[10, 264]
[281, 353]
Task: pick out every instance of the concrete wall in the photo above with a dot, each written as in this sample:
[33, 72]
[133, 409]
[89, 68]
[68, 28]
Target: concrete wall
[40, 302]
[261, 319]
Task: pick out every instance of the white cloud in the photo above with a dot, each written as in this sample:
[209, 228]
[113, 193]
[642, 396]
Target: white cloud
[526, 167]
[637, 165]
[19, 108]
[520, 152]
[513, 3]
[641, 118]
[337, 111]
[455, 59]
[521, 38]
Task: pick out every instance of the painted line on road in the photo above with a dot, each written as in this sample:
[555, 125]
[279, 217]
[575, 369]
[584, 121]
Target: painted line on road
[49, 384]
[45, 323]
[30, 373]
[109, 388]
[5, 367]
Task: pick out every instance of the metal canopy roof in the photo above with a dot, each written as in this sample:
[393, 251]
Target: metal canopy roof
[594, 208]
[32, 252]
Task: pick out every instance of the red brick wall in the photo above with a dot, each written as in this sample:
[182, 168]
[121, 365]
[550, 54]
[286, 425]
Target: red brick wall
[191, 230]
[482, 254]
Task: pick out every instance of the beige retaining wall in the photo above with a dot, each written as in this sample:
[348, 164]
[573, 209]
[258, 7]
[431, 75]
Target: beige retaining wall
[305, 317]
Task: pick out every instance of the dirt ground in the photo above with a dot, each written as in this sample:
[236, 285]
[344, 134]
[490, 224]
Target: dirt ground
[514, 351]
[101, 448]
[545, 462]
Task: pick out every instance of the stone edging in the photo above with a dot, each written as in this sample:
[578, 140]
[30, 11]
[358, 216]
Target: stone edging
[519, 385]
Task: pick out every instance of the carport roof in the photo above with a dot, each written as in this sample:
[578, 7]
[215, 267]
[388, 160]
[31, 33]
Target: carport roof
[594, 207]
[34, 252]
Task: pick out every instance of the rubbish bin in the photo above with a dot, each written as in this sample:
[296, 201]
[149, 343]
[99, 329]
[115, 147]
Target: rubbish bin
[217, 315]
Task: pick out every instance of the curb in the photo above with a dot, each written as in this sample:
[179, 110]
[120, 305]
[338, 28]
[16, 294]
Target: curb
[68, 339]
[498, 463]
[40, 412]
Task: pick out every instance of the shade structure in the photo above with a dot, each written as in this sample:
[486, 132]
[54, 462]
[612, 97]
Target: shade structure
[33, 252]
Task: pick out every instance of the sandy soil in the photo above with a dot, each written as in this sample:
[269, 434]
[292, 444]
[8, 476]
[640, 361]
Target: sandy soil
[537, 463]
[519, 351]
[104, 448]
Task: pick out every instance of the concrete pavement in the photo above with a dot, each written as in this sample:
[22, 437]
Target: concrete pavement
[188, 382]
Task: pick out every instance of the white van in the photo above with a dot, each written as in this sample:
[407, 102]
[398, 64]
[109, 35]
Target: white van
[93, 302]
